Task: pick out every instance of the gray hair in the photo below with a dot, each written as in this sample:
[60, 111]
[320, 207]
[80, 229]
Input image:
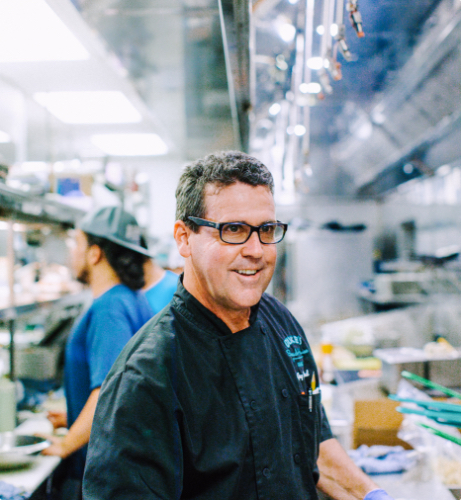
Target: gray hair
[220, 169]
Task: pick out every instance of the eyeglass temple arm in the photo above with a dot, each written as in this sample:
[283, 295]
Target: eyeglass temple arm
[203, 222]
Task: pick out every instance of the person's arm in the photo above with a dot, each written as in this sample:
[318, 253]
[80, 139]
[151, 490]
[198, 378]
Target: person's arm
[341, 479]
[57, 418]
[79, 433]
[135, 449]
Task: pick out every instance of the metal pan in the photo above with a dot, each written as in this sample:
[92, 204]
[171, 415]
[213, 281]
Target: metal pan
[19, 451]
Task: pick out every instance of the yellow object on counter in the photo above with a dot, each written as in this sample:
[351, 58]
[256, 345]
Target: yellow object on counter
[359, 364]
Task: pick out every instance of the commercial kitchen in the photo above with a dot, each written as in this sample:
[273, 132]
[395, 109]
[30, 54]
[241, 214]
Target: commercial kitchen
[354, 107]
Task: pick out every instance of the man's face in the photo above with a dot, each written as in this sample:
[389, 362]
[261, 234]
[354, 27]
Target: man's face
[79, 257]
[231, 278]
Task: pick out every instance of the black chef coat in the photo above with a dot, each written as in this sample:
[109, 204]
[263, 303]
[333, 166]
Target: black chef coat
[192, 411]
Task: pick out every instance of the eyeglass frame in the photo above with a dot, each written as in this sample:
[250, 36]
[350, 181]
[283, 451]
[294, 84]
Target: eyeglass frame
[220, 225]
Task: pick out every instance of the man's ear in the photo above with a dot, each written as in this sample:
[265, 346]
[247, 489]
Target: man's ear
[95, 254]
[182, 236]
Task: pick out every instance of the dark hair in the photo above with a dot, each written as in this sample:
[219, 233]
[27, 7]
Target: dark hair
[127, 264]
[221, 169]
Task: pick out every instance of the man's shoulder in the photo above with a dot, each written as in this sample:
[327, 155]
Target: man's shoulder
[273, 312]
[151, 345]
[269, 303]
[122, 299]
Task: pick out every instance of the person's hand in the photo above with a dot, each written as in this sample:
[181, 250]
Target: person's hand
[57, 418]
[57, 447]
[377, 495]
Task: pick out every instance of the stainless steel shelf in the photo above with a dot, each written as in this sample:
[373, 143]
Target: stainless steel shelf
[23, 207]
[67, 300]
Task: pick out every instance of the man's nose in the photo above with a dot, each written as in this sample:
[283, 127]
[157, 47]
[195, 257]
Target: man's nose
[253, 247]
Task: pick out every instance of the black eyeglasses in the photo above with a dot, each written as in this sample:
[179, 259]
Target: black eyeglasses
[237, 233]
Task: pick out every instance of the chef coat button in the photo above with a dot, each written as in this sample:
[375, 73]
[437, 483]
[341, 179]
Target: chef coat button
[266, 472]
[297, 458]
[284, 393]
[253, 405]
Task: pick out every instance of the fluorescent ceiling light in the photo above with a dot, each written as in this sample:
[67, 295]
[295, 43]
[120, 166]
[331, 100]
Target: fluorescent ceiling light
[310, 88]
[89, 107]
[130, 144]
[31, 31]
[4, 137]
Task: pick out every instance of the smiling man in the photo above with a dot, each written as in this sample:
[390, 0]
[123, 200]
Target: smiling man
[217, 398]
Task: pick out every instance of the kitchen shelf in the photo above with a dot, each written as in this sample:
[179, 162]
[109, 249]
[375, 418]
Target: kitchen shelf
[27, 307]
[23, 207]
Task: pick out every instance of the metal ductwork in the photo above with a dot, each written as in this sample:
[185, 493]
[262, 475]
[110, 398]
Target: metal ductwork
[417, 122]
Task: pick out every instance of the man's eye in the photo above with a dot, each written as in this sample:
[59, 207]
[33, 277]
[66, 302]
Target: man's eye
[233, 228]
[268, 228]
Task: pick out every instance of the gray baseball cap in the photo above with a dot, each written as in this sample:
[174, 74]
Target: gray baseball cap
[116, 225]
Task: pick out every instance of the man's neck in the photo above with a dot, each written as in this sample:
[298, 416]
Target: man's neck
[153, 273]
[102, 279]
[234, 320]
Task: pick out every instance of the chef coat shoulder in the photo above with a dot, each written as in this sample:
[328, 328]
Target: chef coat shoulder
[273, 314]
[149, 351]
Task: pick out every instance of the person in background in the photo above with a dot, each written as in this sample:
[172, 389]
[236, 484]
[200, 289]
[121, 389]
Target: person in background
[108, 256]
[160, 285]
[217, 397]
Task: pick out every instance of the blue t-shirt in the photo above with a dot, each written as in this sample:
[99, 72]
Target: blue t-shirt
[94, 344]
[160, 294]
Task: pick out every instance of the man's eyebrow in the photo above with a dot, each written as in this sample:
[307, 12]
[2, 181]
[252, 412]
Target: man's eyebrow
[271, 221]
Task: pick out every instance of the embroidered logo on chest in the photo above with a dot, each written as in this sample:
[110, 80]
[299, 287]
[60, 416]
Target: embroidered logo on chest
[295, 350]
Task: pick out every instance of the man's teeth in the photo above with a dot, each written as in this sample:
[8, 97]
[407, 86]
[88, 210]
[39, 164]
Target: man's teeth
[248, 272]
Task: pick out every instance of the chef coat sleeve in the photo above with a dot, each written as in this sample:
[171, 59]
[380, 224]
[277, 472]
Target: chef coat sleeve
[135, 449]
[108, 334]
[325, 430]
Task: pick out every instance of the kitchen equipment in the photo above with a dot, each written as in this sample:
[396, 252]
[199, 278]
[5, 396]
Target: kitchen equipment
[442, 417]
[19, 451]
[441, 369]
[440, 433]
[430, 384]
[435, 405]
[7, 405]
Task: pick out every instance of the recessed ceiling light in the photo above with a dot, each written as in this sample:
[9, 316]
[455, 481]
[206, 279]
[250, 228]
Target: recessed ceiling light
[320, 29]
[31, 31]
[333, 29]
[275, 109]
[130, 144]
[310, 88]
[299, 130]
[89, 107]
[315, 62]
[286, 32]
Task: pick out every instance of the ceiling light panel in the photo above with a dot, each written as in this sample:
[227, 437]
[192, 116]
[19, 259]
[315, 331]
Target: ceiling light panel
[4, 137]
[130, 144]
[31, 31]
[89, 107]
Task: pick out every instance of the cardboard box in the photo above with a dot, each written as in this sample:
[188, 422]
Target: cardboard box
[376, 421]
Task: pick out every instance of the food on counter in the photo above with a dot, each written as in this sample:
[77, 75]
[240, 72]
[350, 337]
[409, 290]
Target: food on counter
[441, 347]
[449, 470]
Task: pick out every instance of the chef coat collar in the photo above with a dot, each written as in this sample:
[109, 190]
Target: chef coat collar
[198, 310]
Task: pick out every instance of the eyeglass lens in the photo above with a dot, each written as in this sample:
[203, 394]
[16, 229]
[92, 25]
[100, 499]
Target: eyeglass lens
[239, 233]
